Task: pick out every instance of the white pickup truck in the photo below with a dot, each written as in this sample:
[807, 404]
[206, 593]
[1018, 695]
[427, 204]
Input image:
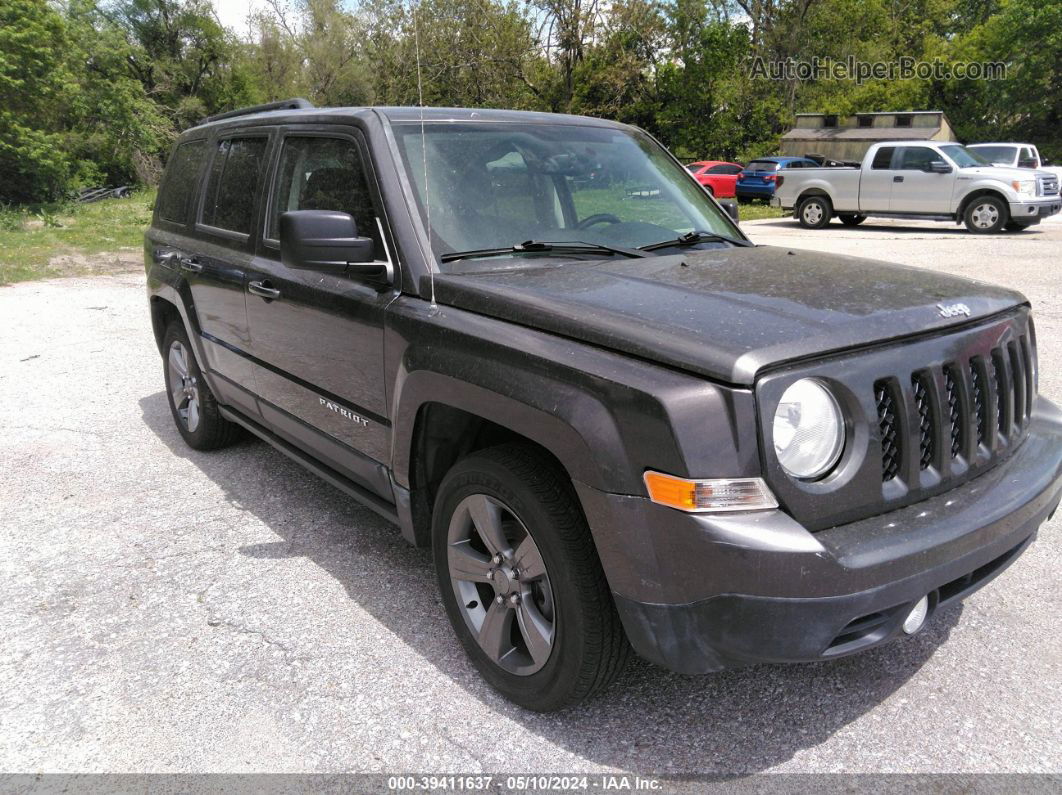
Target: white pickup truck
[1015, 156]
[921, 179]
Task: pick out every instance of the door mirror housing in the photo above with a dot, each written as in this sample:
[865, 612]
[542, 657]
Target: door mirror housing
[326, 241]
[938, 167]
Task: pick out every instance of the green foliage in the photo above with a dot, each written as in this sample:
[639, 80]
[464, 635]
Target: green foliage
[34, 88]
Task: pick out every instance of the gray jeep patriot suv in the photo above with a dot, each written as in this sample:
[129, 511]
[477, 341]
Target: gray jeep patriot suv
[536, 344]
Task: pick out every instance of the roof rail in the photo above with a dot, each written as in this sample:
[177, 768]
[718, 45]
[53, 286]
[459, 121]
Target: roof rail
[295, 103]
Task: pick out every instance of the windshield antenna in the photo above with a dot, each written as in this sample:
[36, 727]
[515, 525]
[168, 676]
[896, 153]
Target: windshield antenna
[424, 155]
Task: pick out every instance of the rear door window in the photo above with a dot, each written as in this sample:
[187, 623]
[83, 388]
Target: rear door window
[181, 181]
[233, 184]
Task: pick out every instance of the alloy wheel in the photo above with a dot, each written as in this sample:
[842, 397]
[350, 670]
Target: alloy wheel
[501, 584]
[184, 389]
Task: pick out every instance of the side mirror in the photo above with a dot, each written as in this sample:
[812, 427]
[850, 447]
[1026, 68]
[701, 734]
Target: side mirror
[326, 240]
[731, 208]
[938, 167]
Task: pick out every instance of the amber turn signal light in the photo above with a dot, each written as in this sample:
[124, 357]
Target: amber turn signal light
[708, 496]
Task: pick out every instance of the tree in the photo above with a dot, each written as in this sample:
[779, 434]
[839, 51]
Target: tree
[34, 88]
[182, 57]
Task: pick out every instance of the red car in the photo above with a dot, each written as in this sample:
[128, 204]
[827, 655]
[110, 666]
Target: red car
[718, 176]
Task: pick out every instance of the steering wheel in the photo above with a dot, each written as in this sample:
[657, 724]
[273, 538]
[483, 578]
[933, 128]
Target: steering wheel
[598, 218]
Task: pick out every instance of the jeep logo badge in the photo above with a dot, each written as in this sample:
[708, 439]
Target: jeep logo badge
[953, 310]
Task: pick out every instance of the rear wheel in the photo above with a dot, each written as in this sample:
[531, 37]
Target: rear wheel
[852, 220]
[814, 212]
[521, 581]
[194, 407]
[986, 215]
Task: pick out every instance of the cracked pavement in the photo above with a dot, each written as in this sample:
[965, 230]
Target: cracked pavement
[167, 610]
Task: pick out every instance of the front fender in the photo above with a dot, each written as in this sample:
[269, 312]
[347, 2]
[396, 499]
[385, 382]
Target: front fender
[605, 416]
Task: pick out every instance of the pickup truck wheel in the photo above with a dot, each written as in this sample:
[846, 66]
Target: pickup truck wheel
[852, 220]
[814, 212]
[521, 581]
[986, 215]
[193, 405]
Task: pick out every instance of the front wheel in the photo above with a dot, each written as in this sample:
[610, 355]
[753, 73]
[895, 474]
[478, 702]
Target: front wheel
[521, 581]
[814, 212]
[852, 220]
[986, 215]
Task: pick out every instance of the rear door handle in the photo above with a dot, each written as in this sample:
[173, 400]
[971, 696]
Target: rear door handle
[264, 290]
[897, 179]
[191, 265]
[167, 257]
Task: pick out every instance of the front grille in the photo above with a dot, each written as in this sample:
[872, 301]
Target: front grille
[1048, 185]
[926, 413]
[987, 399]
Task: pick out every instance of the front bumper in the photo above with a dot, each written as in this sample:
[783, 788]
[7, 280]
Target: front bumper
[1035, 209]
[700, 593]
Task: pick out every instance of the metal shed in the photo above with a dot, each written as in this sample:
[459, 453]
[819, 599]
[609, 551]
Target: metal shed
[849, 137]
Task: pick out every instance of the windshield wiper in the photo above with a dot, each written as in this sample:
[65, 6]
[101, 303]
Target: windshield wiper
[692, 238]
[542, 246]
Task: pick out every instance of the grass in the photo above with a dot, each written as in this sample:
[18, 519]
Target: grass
[755, 210]
[32, 239]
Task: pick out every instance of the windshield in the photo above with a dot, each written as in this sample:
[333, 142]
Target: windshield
[496, 185]
[963, 157]
[996, 154]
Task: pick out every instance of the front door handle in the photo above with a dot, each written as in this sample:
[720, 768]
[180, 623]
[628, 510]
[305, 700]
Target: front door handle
[191, 265]
[263, 290]
[897, 179]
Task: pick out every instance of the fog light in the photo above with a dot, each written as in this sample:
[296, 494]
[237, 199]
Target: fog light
[917, 617]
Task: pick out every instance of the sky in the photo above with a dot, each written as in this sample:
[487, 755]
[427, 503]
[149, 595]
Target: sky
[233, 13]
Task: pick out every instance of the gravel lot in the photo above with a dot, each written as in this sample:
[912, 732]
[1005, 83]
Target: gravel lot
[166, 610]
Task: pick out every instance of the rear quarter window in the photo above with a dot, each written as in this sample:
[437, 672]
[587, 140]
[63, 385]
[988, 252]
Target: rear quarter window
[180, 181]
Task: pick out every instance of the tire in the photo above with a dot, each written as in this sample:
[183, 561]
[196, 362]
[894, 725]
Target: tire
[985, 215]
[563, 608]
[192, 404]
[852, 220]
[814, 212]
[710, 189]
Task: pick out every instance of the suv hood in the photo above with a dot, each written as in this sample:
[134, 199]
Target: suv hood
[723, 313]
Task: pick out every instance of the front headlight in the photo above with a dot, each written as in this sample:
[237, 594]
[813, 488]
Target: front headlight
[1025, 187]
[808, 430]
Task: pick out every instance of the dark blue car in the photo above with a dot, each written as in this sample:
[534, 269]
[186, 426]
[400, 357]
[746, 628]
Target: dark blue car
[760, 177]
